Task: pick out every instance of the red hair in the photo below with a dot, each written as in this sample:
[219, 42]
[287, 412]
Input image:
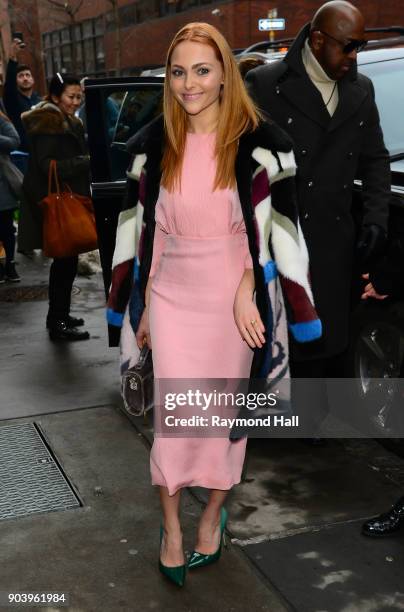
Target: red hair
[238, 113]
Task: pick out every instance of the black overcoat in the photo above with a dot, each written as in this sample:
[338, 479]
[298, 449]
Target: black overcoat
[51, 135]
[331, 152]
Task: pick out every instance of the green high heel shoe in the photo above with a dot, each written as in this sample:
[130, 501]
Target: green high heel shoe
[198, 559]
[177, 573]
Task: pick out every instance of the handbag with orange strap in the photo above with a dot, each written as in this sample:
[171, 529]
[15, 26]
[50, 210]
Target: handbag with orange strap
[68, 220]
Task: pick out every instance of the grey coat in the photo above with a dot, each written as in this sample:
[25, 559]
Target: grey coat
[330, 153]
[9, 141]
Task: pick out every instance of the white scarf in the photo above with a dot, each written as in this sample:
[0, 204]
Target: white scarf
[326, 86]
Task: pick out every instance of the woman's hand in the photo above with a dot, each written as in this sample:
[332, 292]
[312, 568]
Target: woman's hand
[369, 291]
[143, 330]
[246, 313]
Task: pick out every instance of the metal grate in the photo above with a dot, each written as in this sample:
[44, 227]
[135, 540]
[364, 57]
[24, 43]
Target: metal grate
[27, 294]
[30, 479]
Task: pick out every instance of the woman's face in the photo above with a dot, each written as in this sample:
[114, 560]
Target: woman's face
[196, 76]
[70, 100]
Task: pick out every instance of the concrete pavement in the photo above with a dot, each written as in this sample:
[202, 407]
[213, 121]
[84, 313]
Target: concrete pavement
[294, 521]
[103, 553]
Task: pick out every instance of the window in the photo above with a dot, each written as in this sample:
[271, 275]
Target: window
[125, 112]
[99, 26]
[65, 34]
[388, 79]
[78, 49]
[89, 56]
[67, 58]
[99, 53]
[87, 27]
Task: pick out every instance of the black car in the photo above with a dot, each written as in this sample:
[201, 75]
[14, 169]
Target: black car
[377, 339]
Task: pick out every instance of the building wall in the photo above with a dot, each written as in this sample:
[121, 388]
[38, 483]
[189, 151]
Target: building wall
[22, 16]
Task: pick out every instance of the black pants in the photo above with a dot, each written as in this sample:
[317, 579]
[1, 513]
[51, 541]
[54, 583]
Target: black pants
[7, 233]
[309, 395]
[61, 276]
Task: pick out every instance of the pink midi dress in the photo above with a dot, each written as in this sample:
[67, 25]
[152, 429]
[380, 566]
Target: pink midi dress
[200, 252]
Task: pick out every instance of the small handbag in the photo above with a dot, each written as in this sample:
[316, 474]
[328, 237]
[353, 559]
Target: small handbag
[12, 174]
[138, 383]
[68, 220]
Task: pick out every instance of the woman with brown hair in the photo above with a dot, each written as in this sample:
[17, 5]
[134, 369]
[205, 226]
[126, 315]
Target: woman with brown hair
[206, 240]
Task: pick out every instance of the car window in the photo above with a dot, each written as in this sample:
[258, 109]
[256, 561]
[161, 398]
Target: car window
[388, 79]
[125, 113]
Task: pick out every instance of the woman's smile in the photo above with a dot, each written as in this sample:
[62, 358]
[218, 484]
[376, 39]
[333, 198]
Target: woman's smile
[188, 97]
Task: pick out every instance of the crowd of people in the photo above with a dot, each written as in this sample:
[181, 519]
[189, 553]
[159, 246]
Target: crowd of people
[237, 249]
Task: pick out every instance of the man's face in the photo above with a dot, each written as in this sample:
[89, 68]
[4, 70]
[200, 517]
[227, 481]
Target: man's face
[25, 81]
[330, 47]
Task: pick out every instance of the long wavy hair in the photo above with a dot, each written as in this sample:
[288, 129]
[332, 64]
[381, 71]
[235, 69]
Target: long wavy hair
[238, 113]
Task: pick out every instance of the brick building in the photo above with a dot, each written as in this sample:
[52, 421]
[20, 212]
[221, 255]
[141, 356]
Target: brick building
[103, 37]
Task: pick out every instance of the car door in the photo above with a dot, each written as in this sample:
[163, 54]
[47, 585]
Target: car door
[116, 108]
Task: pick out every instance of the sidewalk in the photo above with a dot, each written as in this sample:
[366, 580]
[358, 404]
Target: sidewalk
[294, 521]
[103, 553]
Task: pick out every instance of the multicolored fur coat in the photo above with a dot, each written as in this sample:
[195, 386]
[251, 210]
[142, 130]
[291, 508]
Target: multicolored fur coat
[265, 170]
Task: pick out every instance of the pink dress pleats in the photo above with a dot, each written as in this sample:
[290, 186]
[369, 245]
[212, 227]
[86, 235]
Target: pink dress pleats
[200, 253]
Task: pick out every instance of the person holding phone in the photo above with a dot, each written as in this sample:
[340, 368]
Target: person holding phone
[211, 217]
[19, 96]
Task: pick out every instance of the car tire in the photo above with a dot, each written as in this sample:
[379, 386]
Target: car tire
[375, 360]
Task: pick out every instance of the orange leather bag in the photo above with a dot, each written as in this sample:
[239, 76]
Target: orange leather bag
[68, 220]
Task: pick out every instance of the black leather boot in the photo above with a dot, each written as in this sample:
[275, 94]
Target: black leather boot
[74, 321]
[70, 321]
[386, 523]
[58, 330]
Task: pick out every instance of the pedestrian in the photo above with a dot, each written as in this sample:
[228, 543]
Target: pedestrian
[9, 141]
[54, 133]
[201, 175]
[317, 95]
[19, 96]
[386, 279]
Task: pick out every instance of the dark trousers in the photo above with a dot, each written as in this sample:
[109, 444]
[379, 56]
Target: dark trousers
[61, 276]
[7, 233]
[309, 394]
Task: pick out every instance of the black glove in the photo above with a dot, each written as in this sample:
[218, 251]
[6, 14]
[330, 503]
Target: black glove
[371, 242]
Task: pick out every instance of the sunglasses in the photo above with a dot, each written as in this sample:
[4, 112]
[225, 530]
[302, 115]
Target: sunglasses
[347, 47]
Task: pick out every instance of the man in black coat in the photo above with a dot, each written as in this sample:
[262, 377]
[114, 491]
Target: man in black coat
[316, 94]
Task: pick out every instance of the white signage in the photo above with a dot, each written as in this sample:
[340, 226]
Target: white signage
[268, 25]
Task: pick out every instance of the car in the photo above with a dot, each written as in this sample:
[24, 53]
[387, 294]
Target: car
[377, 339]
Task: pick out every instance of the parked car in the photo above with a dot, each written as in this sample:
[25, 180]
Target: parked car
[377, 339]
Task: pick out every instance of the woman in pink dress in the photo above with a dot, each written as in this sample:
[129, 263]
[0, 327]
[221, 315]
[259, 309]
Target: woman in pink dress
[204, 264]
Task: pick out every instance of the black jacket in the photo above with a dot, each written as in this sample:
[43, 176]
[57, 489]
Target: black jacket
[330, 152]
[16, 103]
[51, 135]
